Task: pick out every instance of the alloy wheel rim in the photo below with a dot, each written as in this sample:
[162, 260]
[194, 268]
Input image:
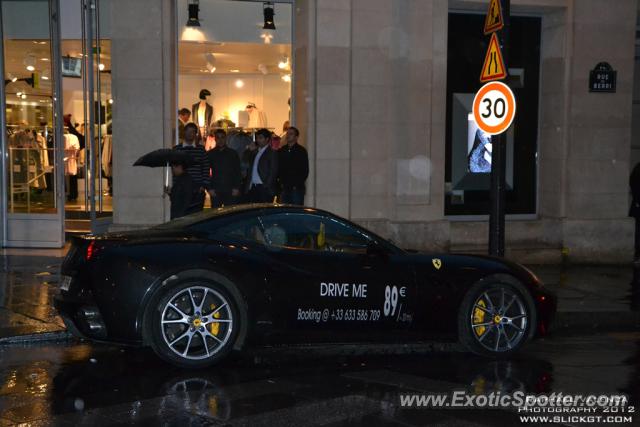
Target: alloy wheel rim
[499, 319]
[196, 322]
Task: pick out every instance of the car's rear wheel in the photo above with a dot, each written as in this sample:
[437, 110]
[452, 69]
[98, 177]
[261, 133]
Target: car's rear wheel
[496, 318]
[194, 324]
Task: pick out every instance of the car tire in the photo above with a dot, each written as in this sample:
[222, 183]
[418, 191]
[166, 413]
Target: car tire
[496, 318]
[194, 324]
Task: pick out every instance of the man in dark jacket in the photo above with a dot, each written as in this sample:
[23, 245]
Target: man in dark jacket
[262, 176]
[224, 187]
[293, 169]
[181, 192]
[199, 170]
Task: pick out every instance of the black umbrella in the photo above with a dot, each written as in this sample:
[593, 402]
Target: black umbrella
[163, 157]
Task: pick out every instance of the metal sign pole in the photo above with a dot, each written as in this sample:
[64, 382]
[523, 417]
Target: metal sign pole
[499, 157]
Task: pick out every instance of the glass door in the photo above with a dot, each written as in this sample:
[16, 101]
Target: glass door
[87, 91]
[34, 154]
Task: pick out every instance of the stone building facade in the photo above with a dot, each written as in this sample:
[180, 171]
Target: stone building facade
[370, 96]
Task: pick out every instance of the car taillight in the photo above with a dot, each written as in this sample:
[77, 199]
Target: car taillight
[91, 250]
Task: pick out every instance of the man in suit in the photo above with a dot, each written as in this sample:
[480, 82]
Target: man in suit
[261, 182]
[183, 118]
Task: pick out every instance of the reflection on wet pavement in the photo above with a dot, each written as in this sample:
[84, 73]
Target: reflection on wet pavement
[82, 384]
[27, 287]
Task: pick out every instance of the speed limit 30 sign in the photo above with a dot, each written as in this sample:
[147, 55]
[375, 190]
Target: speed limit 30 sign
[494, 108]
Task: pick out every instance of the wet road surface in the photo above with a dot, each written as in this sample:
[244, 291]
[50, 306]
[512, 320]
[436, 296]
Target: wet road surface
[90, 384]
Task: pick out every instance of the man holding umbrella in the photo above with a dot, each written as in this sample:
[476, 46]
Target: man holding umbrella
[199, 168]
[181, 193]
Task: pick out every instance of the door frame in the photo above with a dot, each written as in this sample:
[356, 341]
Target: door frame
[17, 229]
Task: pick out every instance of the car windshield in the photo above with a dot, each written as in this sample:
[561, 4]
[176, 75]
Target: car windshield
[186, 221]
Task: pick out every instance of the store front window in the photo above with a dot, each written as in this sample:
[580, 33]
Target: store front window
[468, 149]
[234, 69]
[29, 112]
[56, 144]
[32, 178]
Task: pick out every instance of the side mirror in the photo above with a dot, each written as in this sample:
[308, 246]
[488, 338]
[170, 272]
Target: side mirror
[375, 250]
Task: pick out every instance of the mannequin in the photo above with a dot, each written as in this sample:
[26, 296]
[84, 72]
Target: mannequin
[202, 113]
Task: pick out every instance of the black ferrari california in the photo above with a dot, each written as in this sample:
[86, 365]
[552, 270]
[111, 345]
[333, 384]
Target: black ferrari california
[198, 287]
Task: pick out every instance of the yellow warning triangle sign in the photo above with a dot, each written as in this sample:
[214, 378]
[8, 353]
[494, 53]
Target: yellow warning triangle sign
[493, 68]
[493, 21]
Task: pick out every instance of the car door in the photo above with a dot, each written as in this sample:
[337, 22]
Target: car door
[333, 281]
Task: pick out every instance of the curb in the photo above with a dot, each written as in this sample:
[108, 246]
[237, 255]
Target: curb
[37, 338]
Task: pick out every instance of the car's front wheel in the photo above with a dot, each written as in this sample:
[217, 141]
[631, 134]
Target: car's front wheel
[496, 318]
[194, 324]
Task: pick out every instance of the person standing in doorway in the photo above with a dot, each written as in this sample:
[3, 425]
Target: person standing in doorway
[199, 170]
[263, 173]
[184, 115]
[293, 169]
[224, 188]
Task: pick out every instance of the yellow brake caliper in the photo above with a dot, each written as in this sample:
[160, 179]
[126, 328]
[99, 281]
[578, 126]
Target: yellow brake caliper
[478, 317]
[215, 327]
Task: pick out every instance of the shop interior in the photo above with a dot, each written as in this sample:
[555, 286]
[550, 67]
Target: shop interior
[240, 53]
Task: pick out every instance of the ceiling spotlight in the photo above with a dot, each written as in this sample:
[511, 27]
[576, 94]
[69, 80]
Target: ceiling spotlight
[101, 67]
[110, 100]
[211, 62]
[19, 94]
[23, 96]
[286, 78]
[30, 62]
[239, 84]
[284, 63]
[44, 59]
[11, 78]
[268, 12]
[234, 71]
[193, 20]
[267, 36]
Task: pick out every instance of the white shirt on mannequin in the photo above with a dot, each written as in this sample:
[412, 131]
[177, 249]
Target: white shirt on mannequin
[202, 110]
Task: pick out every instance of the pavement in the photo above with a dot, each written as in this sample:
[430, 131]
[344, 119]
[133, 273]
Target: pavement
[589, 297]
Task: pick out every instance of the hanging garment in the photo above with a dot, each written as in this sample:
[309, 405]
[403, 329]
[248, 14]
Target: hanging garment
[257, 118]
[44, 154]
[107, 152]
[71, 148]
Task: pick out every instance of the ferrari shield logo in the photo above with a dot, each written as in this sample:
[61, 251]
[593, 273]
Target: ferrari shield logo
[437, 263]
